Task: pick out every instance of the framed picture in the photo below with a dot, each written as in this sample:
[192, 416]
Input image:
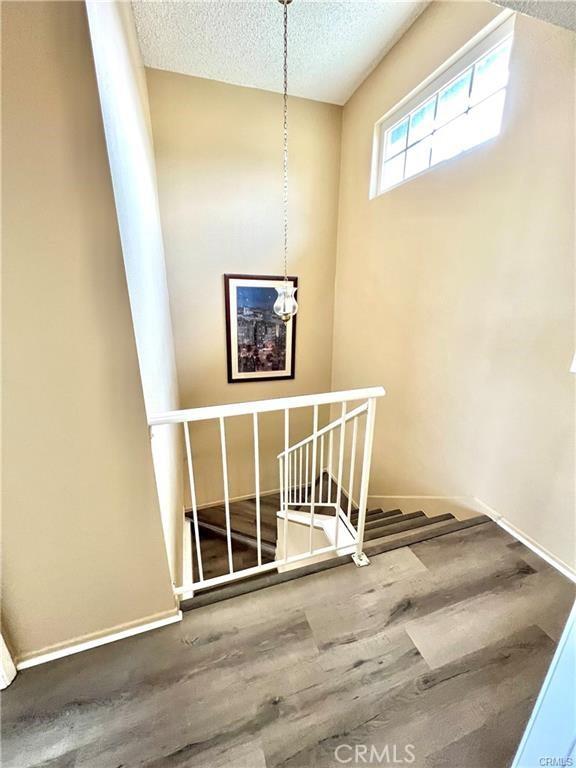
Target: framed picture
[260, 346]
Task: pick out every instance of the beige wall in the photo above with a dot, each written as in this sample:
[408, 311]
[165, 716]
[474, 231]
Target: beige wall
[456, 290]
[219, 162]
[82, 543]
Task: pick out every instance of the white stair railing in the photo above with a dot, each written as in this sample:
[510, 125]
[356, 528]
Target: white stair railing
[310, 486]
[325, 495]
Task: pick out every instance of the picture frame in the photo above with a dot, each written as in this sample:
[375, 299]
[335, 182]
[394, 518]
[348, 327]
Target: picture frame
[259, 345]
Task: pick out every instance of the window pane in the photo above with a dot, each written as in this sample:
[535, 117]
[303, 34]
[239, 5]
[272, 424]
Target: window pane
[484, 121]
[418, 157]
[450, 140]
[396, 139]
[422, 121]
[491, 72]
[453, 100]
[393, 171]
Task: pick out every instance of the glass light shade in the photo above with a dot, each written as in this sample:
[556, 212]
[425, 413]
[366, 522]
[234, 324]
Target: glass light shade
[285, 305]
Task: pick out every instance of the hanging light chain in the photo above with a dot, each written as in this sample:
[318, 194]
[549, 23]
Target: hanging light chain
[285, 4]
[285, 305]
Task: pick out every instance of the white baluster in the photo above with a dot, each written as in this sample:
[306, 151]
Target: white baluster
[336, 509]
[300, 477]
[352, 466]
[307, 487]
[320, 490]
[193, 499]
[226, 494]
[359, 557]
[341, 458]
[281, 473]
[286, 479]
[330, 451]
[289, 480]
[313, 473]
[257, 484]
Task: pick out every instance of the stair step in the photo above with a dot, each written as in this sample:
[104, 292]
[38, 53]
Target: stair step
[377, 514]
[405, 525]
[377, 522]
[243, 521]
[241, 538]
[423, 533]
[255, 583]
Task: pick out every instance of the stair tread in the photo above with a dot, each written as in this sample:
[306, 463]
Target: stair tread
[255, 583]
[242, 521]
[423, 533]
[243, 538]
[377, 513]
[377, 522]
[405, 525]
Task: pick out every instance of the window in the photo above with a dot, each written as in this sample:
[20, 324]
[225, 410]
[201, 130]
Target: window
[457, 108]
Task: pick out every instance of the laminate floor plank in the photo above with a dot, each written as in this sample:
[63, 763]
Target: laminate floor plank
[414, 649]
[345, 583]
[443, 707]
[494, 743]
[486, 617]
[403, 603]
[467, 548]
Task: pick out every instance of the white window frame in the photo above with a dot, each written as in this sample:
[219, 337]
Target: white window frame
[499, 29]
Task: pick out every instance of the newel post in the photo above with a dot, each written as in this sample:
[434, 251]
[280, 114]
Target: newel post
[359, 557]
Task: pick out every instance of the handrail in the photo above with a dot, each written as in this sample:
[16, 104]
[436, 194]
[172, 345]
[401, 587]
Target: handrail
[299, 465]
[262, 406]
[333, 425]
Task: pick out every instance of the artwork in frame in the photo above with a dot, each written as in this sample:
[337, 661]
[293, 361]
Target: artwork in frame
[260, 346]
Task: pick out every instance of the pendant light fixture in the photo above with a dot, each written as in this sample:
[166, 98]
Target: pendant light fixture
[285, 305]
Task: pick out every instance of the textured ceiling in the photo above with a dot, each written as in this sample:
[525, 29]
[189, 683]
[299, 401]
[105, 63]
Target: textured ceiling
[559, 12]
[333, 45]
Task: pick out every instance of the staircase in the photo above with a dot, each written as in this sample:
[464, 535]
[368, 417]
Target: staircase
[384, 531]
[213, 535]
[319, 518]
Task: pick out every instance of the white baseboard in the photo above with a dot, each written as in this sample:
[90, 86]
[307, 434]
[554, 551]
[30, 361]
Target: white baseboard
[529, 542]
[95, 641]
[472, 504]
[232, 499]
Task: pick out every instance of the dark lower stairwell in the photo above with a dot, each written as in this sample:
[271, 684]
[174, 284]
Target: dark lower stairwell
[384, 530]
[212, 525]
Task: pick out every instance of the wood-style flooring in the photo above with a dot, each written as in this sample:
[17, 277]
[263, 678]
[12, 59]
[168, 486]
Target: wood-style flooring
[214, 549]
[439, 648]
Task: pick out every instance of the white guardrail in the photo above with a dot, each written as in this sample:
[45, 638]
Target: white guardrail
[319, 477]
